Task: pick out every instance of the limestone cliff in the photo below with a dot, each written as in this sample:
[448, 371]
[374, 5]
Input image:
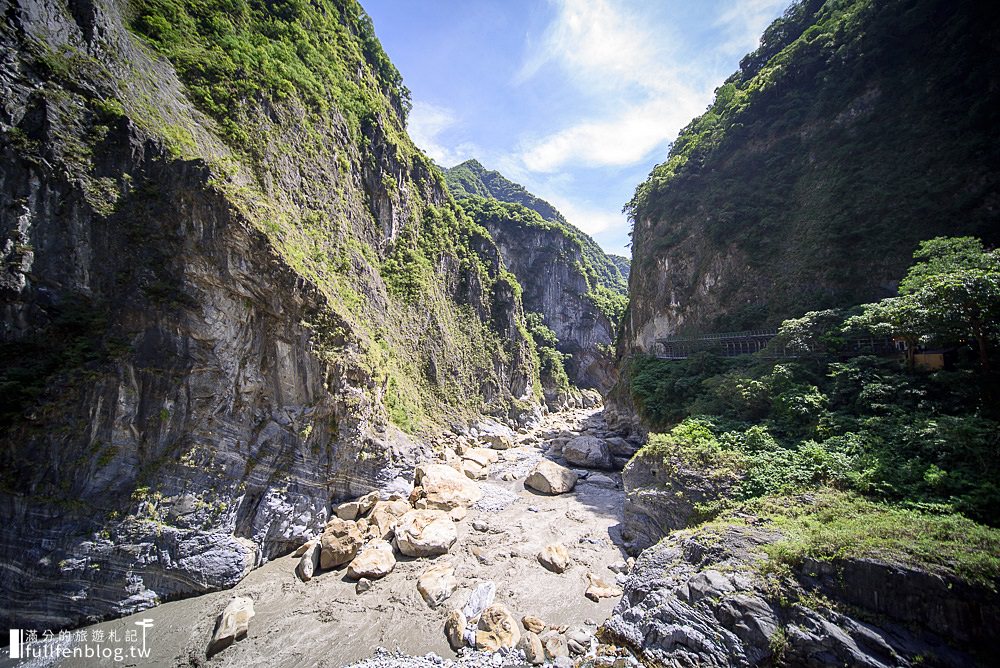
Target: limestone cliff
[856, 130]
[567, 278]
[229, 280]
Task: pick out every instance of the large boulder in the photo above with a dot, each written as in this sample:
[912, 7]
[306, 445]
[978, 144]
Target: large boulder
[497, 628]
[375, 561]
[339, 543]
[425, 533]
[663, 492]
[619, 447]
[352, 510]
[444, 488]
[554, 644]
[588, 451]
[531, 645]
[437, 583]
[232, 625]
[385, 516]
[550, 478]
[579, 640]
[454, 629]
[496, 435]
[480, 599]
[476, 462]
[533, 623]
[308, 561]
[554, 557]
[598, 589]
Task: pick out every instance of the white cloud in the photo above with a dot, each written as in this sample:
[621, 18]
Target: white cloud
[426, 123]
[648, 91]
[618, 141]
[609, 53]
[589, 218]
[597, 44]
[744, 22]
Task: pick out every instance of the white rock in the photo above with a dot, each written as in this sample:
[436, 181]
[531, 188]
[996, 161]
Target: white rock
[445, 488]
[480, 599]
[599, 589]
[304, 547]
[437, 583]
[425, 533]
[375, 561]
[385, 516]
[308, 562]
[554, 557]
[348, 510]
[482, 456]
[550, 478]
[232, 625]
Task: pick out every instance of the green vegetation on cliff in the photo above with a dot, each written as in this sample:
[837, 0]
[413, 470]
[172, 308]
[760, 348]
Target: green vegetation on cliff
[471, 179]
[855, 130]
[297, 118]
[235, 54]
[924, 439]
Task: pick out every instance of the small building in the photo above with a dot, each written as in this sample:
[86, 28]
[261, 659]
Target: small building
[934, 360]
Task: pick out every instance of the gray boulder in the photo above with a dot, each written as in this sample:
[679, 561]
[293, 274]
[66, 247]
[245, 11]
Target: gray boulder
[550, 478]
[588, 451]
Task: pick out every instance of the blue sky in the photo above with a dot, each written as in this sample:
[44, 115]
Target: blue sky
[575, 99]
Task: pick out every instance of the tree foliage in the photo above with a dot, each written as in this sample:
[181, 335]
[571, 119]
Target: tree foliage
[928, 440]
[950, 295]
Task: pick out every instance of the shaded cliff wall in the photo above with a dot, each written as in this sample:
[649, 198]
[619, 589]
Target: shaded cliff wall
[856, 130]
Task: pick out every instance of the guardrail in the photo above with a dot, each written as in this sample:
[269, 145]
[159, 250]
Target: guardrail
[734, 344]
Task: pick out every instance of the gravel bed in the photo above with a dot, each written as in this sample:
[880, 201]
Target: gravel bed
[383, 658]
[495, 499]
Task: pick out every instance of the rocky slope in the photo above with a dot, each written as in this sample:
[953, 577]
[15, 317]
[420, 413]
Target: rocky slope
[577, 288]
[406, 605]
[471, 179]
[228, 276]
[815, 579]
[856, 130]
[707, 598]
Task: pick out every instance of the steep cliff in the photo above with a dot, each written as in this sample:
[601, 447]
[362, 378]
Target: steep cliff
[567, 278]
[230, 284]
[856, 130]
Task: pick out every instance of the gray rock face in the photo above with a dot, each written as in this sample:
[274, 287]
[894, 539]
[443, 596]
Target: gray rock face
[661, 496]
[696, 600]
[202, 401]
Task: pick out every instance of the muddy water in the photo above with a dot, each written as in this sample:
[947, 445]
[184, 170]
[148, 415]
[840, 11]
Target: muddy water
[324, 622]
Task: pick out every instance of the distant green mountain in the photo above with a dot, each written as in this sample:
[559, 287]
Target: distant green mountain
[623, 264]
[576, 289]
[470, 178]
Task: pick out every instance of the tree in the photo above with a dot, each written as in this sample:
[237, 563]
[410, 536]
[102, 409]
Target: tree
[901, 317]
[951, 294]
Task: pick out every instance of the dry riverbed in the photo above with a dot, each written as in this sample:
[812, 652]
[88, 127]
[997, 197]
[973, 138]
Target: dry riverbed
[325, 622]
